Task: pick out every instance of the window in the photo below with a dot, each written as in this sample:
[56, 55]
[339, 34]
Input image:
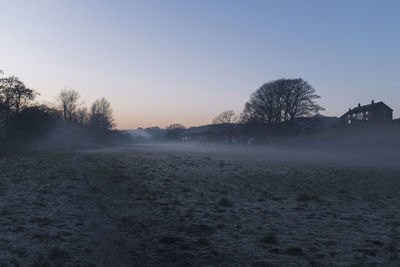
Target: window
[366, 119]
[366, 112]
[349, 121]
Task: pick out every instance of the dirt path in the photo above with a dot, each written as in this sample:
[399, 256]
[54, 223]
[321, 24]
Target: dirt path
[112, 249]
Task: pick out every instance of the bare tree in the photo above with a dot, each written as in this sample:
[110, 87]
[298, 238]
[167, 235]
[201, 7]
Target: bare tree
[82, 116]
[68, 100]
[175, 131]
[14, 95]
[264, 105]
[281, 100]
[228, 116]
[101, 115]
[300, 99]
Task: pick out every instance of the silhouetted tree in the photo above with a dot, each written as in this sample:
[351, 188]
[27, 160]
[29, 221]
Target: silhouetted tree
[23, 124]
[299, 99]
[223, 128]
[82, 116]
[14, 95]
[280, 101]
[175, 131]
[101, 116]
[228, 116]
[33, 123]
[263, 105]
[68, 100]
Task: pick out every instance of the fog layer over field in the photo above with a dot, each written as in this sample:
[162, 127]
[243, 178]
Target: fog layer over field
[325, 199]
[203, 204]
[373, 146]
[246, 205]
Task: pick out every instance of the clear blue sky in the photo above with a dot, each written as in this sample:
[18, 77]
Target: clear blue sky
[160, 62]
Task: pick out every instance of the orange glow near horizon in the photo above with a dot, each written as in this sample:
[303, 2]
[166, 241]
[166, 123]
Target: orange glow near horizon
[187, 61]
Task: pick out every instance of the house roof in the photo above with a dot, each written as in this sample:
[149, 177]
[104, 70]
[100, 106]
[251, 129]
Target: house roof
[369, 107]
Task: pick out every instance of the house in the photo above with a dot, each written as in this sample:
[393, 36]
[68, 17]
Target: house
[374, 112]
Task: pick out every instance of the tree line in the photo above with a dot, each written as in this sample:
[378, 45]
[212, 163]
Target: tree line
[275, 102]
[23, 121]
[274, 107]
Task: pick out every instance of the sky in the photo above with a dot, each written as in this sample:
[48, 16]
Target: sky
[167, 61]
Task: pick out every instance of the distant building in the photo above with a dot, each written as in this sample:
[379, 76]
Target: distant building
[374, 112]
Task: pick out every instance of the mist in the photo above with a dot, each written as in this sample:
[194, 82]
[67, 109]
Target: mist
[276, 184]
[275, 137]
[374, 147]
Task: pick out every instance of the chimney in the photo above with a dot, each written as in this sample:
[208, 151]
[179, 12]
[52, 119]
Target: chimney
[372, 102]
[349, 109]
[359, 105]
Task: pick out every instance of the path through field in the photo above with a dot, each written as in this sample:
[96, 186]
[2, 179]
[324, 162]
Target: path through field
[111, 247]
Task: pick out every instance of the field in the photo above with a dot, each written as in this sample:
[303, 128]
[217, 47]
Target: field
[186, 205]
